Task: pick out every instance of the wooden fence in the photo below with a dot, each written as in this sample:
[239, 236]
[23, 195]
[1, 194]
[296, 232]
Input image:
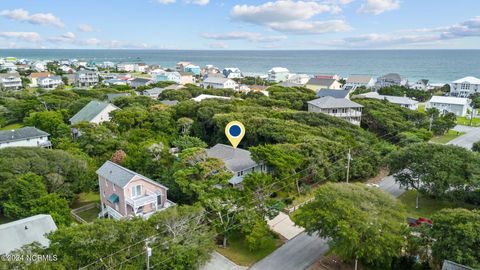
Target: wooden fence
[74, 212]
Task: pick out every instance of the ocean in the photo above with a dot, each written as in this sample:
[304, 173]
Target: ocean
[439, 66]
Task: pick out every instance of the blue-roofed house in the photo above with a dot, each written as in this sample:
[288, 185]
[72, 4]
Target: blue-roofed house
[125, 193]
[333, 93]
[169, 76]
[196, 70]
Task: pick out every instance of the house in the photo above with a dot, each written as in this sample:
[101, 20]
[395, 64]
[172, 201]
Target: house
[186, 78]
[50, 82]
[153, 93]
[458, 106]
[10, 81]
[125, 193]
[9, 67]
[319, 84]
[422, 84]
[449, 265]
[169, 102]
[169, 76]
[25, 231]
[238, 161]
[404, 102]
[465, 87]
[210, 69]
[66, 69]
[354, 81]
[333, 93]
[70, 78]
[327, 76]
[94, 112]
[86, 78]
[113, 96]
[181, 66]
[110, 82]
[24, 137]
[35, 75]
[196, 70]
[278, 74]
[300, 79]
[137, 82]
[127, 67]
[218, 82]
[39, 66]
[202, 97]
[337, 107]
[391, 79]
[232, 73]
[140, 67]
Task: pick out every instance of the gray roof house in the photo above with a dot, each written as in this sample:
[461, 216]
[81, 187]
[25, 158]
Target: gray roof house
[137, 82]
[404, 102]
[94, 112]
[391, 79]
[25, 231]
[154, 92]
[238, 161]
[337, 107]
[333, 93]
[449, 265]
[24, 137]
[125, 193]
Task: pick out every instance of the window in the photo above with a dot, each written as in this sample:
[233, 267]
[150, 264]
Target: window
[137, 191]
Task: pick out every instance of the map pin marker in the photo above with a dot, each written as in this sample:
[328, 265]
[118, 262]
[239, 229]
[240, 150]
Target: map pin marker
[235, 132]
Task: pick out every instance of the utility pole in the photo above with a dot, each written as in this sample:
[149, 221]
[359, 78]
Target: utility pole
[349, 158]
[431, 123]
[149, 253]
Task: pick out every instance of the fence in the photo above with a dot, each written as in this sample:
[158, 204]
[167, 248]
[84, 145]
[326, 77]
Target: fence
[74, 212]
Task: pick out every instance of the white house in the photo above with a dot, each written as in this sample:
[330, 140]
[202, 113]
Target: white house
[278, 74]
[49, 82]
[37, 75]
[86, 78]
[404, 102]
[94, 112]
[465, 87]
[422, 84]
[140, 67]
[337, 107]
[25, 231]
[24, 137]
[10, 81]
[128, 67]
[202, 97]
[391, 79]
[232, 73]
[456, 105]
[354, 81]
[300, 79]
[218, 82]
[238, 161]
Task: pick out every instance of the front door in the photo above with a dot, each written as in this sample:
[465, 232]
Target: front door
[159, 200]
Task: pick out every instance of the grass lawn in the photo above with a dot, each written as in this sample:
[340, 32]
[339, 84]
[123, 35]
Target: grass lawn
[427, 206]
[466, 122]
[421, 107]
[12, 126]
[450, 135]
[90, 214]
[238, 252]
[86, 198]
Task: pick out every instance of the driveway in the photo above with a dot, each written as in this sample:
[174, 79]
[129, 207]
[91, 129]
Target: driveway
[219, 262]
[283, 225]
[303, 250]
[471, 136]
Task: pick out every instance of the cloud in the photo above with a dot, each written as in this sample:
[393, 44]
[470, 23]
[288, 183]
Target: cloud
[249, 36]
[85, 27]
[292, 17]
[379, 6]
[22, 15]
[217, 45]
[196, 2]
[469, 28]
[25, 36]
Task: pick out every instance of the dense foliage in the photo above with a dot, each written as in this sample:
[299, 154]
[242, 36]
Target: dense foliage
[401, 91]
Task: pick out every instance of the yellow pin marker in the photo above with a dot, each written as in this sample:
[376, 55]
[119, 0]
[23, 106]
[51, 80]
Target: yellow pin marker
[235, 132]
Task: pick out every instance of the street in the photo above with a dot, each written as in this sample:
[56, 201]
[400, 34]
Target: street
[471, 136]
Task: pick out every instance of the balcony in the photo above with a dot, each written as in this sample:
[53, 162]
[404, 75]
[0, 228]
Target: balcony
[147, 198]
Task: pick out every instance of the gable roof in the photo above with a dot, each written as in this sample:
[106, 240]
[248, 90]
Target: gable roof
[9, 75]
[90, 111]
[25, 231]
[289, 84]
[39, 74]
[121, 176]
[449, 265]
[321, 82]
[235, 159]
[216, 80]
[469, 79]
[21, 134]
[391, 77]
[333, 93]
[365, 79]
[153, 91]
[449, 100]
[391, 99]
[332, 103]
[141, 80]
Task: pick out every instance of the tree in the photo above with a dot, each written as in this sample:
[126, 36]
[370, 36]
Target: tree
[359, 222]
[476, 147]
[455, 236]
[49, 121]
[118, 156]
[185, 123]
[185, 142]
[442, 171]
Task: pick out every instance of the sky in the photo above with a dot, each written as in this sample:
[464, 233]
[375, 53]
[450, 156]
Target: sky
[240, 24]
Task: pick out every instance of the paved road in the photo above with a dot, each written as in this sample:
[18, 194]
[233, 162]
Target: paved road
[467, 140]
[303, 250]
[297, 254]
